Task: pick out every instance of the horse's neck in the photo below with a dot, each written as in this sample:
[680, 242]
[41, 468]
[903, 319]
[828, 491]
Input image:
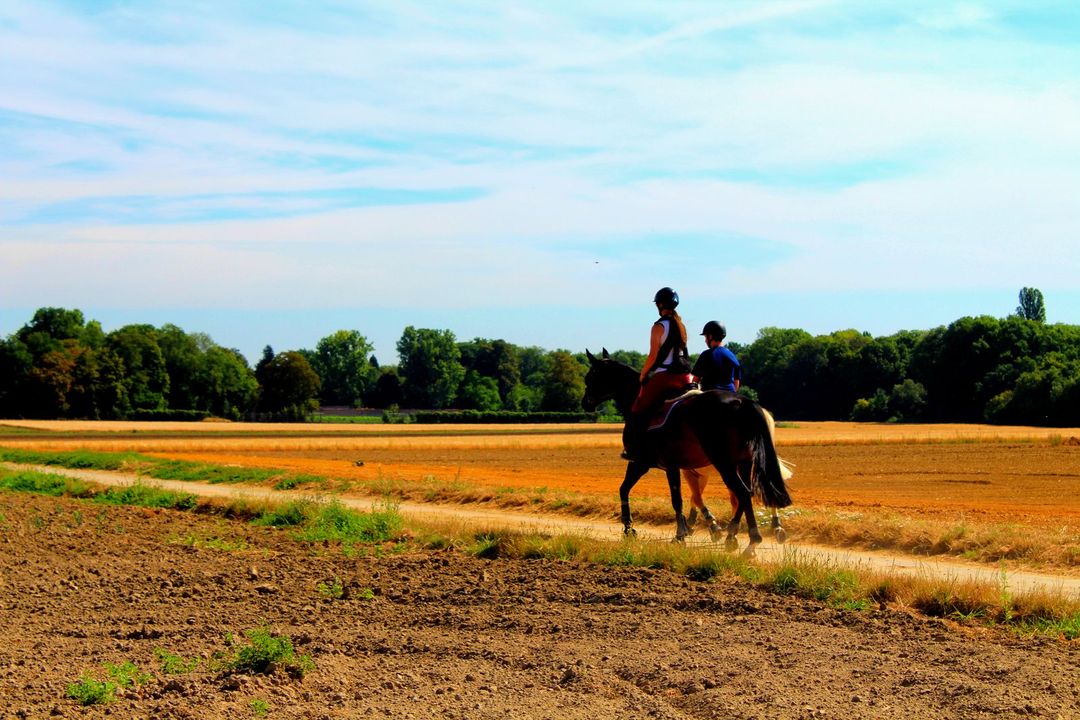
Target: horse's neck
[628, 391]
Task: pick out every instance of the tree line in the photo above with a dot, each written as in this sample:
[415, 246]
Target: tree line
[59, 365]
[1016, 370]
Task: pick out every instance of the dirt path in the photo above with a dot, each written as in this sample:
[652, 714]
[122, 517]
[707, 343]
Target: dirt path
[1016, 582]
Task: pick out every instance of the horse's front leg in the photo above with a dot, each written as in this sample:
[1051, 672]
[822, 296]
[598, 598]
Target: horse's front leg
[634, 472]
[674, 480]
[696, 482]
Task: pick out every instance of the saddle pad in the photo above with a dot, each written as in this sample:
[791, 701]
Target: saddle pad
[664, 411]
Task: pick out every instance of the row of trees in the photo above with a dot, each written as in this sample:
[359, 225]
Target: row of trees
[59, 365]
[1012, 370]
[1015, 370]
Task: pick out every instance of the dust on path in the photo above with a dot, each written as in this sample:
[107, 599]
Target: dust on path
[1015, 582]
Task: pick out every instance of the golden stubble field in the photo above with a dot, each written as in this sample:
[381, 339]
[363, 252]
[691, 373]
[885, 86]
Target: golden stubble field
[976, 473]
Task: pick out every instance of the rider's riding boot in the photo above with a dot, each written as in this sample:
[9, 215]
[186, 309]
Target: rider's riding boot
[634, 438]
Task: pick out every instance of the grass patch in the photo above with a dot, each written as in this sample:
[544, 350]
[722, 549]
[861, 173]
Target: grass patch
[77, 459]
[291, 514]
[333, 522]
[159, 468]
[42, 484]
[141, 495]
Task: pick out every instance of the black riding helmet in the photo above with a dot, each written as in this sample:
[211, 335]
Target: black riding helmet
[714, 329]
[666, 298]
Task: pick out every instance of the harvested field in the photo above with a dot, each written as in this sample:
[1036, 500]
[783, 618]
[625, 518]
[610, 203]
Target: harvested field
[976, 473]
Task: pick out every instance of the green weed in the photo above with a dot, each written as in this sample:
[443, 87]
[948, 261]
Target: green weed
[259, 707]
[211, 543]
[88, 691]
[333, 590]
[266, 651]
[172, 664]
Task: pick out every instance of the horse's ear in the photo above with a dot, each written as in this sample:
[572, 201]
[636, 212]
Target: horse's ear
[606, 356]
[592, 358]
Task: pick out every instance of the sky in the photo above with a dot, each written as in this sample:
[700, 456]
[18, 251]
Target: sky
[270, 172]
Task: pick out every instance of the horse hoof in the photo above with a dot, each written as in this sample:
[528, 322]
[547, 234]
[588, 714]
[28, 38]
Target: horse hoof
[629, 532]
[749, 552]
[679, 540]
[781, 535]
[716, 532]
[731, 544]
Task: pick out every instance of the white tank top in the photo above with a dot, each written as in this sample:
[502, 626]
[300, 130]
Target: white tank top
[665, 362]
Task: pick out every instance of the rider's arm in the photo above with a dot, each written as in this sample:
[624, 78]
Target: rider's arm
[654, 347]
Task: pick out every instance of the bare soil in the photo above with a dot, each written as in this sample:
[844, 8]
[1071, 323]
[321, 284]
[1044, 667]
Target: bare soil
[451, 636]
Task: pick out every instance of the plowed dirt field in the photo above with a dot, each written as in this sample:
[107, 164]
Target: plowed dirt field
[437, 634]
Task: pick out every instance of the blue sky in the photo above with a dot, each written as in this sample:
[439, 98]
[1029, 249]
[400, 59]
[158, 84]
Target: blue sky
[271, 172]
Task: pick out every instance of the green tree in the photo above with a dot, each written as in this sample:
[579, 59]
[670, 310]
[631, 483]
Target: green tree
[226, 386]
[535, 364]
[872, 409]
[183, 362]
[386, 390]
[342, 361]
[289, 387]
[16, 362]
[430, 368]
[495, 359]
[478, 392]
[1031, 305]
[146, 377]
[767, 368]
[49, 328]
[564, 385]
[908, 400]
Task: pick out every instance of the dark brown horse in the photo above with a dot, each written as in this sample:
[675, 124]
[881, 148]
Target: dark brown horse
[715, 429]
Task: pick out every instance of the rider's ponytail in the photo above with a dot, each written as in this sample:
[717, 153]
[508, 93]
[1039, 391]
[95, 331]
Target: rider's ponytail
[681, 326]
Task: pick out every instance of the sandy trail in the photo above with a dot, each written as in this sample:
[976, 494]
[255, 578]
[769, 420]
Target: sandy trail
[1016, 582]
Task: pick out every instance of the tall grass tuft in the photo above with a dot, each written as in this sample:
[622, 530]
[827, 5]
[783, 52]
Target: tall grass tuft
[333, 522]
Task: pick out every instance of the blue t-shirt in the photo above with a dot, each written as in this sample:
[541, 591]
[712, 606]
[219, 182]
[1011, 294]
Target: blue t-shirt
[718, 369]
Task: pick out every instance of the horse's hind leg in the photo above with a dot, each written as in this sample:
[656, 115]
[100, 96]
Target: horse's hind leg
[674, 479]
[634, 472]
[778, 530]
[745, 471]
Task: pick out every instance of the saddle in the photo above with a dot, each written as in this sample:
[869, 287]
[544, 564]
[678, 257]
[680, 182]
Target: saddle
[660, 415]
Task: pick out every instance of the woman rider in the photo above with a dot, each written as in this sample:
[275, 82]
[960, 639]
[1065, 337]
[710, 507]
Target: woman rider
[666, 372]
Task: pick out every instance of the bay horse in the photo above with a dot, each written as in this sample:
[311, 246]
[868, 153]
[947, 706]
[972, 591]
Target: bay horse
[716, 429]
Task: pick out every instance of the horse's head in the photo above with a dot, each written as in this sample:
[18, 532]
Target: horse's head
[601, 382]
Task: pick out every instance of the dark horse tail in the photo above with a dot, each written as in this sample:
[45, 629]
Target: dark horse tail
[768, 479]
